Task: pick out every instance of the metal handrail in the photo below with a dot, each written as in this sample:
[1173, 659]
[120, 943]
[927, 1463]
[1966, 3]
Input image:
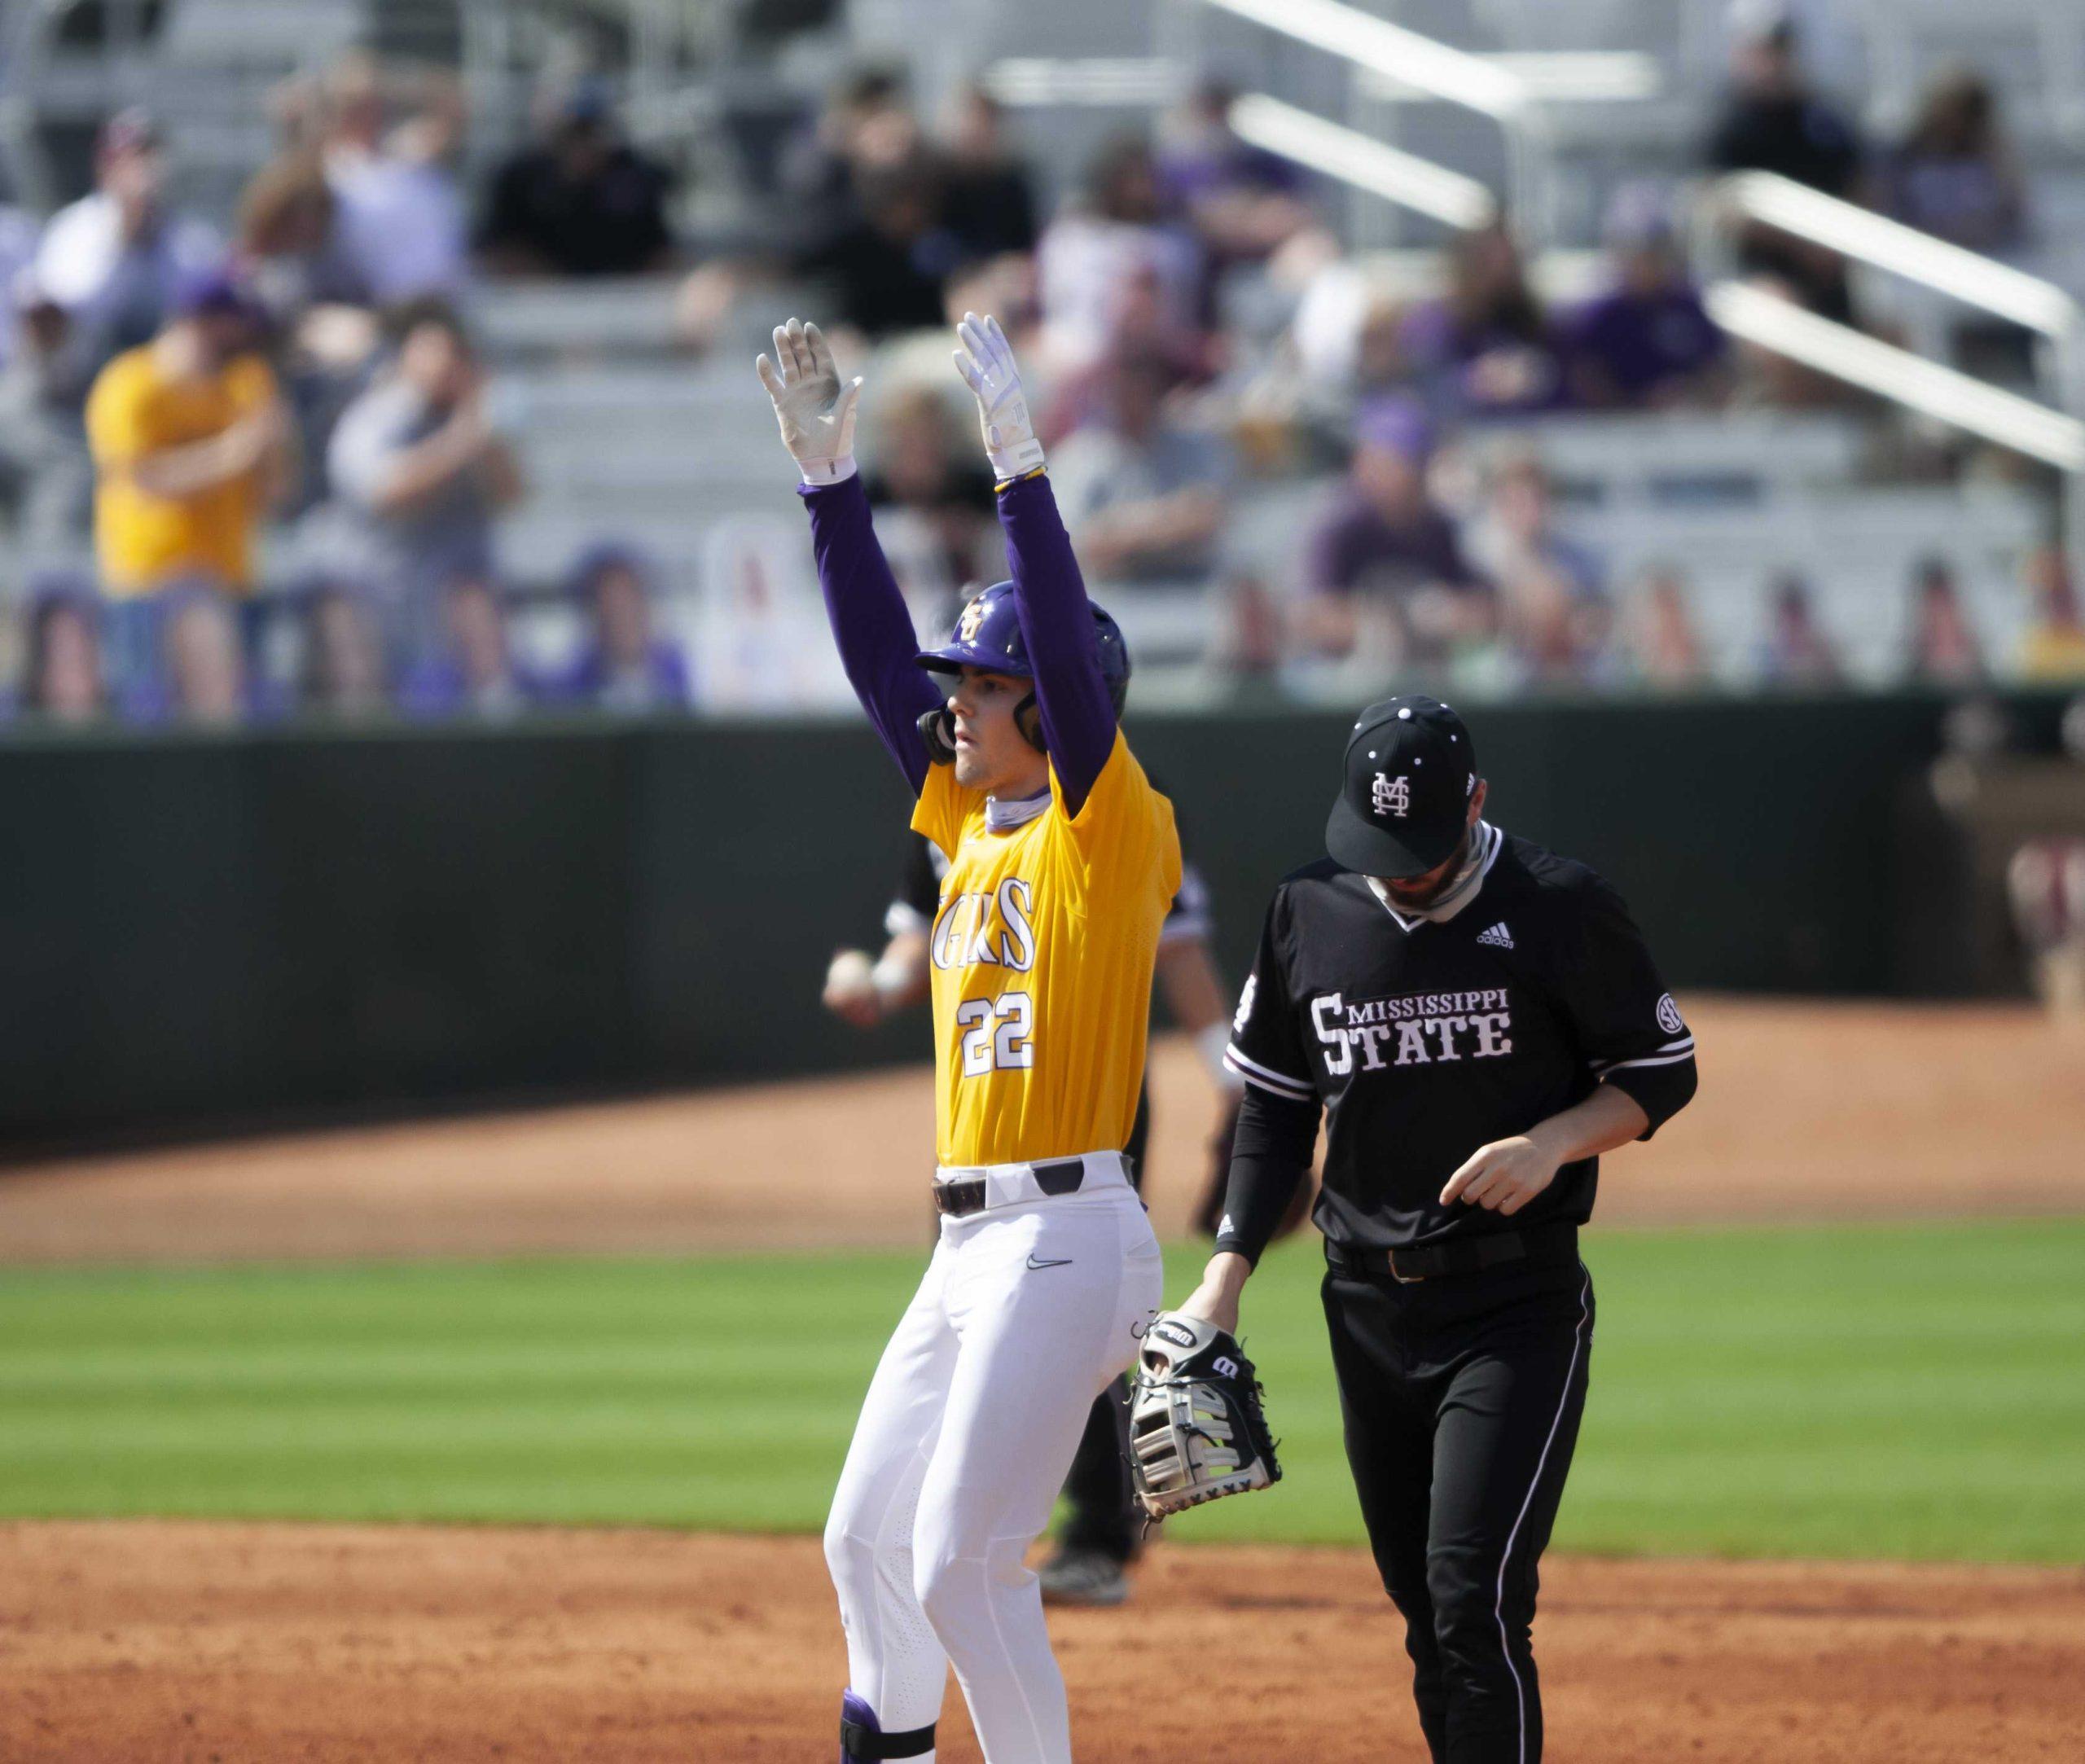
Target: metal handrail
[1452, 75]
[1860, 233]
[1927, 387]
[1375, 46]
[1914, 381]
[1361, 162]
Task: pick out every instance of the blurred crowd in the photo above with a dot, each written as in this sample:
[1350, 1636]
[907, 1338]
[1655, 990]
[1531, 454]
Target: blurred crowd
[1200, 335]
[169, 395]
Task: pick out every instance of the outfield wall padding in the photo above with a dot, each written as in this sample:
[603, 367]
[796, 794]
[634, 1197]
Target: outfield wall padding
[198, 928]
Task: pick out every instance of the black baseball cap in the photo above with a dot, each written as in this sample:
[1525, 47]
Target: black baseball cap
[1404, 801]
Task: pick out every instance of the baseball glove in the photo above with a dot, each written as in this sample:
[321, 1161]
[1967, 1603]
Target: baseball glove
[1196, 1429]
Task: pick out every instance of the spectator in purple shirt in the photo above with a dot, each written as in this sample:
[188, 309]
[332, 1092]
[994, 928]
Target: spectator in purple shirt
[1245, 202]
[1383, 546]
[1955, 175]
[625, 666]
[1647, 342]
[1485, 349]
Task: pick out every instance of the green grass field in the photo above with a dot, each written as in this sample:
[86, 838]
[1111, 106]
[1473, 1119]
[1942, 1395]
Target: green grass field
[1860, 1393]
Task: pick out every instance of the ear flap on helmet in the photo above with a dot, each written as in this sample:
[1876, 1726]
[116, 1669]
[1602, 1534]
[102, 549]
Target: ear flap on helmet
[1028, 719]
[937, 730]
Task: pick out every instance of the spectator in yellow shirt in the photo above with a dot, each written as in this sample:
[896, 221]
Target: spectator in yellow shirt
[190, 443]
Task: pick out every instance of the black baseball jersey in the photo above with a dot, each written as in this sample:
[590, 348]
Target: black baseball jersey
[1426, 1039]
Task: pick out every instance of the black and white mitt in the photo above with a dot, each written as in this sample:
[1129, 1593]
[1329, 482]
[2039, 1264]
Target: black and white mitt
[1196, 1429]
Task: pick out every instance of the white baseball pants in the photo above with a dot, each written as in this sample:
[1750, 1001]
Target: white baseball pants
[1027, 1310]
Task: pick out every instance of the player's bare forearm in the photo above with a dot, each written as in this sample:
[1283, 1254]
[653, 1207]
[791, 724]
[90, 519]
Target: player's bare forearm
[1608, 1118]
[1505, 1175]
[1216, 1299]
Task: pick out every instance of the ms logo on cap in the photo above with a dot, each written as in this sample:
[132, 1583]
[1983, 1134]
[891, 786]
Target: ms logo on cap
[1391, 796]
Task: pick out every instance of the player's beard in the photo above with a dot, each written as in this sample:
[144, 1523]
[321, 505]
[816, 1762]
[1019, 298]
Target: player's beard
[1437, 882]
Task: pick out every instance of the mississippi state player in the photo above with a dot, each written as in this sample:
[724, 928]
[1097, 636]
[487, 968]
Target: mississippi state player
[1478, 1020]
[1063, 860]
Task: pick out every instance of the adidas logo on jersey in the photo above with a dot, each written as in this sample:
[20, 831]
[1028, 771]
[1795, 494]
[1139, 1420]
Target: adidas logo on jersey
[1498, 936]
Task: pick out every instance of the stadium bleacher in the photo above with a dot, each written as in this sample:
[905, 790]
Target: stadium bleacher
[622, 434]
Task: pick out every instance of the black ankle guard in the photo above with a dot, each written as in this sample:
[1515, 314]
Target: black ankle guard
[865, 1743]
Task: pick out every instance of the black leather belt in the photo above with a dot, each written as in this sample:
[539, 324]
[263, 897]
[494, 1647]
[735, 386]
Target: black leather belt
[1539, 1247]
[1061, 1176]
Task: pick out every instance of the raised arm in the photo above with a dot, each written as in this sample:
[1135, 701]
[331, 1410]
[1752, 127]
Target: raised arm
[870, 624]
[1056, 618]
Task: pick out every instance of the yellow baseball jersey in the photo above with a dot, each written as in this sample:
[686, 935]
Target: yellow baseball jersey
[1042, 954]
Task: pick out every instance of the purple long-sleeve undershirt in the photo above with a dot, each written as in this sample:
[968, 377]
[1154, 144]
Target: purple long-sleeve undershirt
[1056, 624]
[870, 624]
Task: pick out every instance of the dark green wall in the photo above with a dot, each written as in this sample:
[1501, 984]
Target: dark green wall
[204, 929]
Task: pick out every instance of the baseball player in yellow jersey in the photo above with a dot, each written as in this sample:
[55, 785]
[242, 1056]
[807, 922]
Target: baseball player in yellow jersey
[1062, 863]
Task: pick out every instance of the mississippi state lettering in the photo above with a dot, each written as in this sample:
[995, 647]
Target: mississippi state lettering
[1413, 1029]
[992, 927]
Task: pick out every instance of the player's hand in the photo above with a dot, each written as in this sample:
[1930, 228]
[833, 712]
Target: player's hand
[1502, 1177]
[816, 412]
[850, 989]
[985, 361]
[1215, 1301]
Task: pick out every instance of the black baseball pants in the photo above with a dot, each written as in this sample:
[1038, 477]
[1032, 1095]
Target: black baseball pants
[1461, 1397]
[1101, 1511]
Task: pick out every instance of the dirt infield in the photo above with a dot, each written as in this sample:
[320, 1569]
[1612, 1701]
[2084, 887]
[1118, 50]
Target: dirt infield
[259, 1644]
[1808, 1111]
[255, 1644]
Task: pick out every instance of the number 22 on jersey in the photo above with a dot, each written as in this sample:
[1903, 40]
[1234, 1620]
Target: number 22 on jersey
[995, 1034]
[991, 928]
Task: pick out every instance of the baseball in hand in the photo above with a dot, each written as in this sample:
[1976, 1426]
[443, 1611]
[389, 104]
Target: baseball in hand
[850, 989]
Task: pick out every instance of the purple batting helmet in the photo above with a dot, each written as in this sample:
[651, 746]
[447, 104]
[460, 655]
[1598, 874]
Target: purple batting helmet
[988, 635]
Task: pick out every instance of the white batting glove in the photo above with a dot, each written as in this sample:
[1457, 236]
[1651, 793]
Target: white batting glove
[816, 412]
[985, 361]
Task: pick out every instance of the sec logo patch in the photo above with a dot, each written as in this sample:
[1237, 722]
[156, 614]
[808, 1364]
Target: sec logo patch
[1669, 1017]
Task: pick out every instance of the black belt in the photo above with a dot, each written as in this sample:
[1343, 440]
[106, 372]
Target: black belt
[1540, 1247]
[1060, 1177]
